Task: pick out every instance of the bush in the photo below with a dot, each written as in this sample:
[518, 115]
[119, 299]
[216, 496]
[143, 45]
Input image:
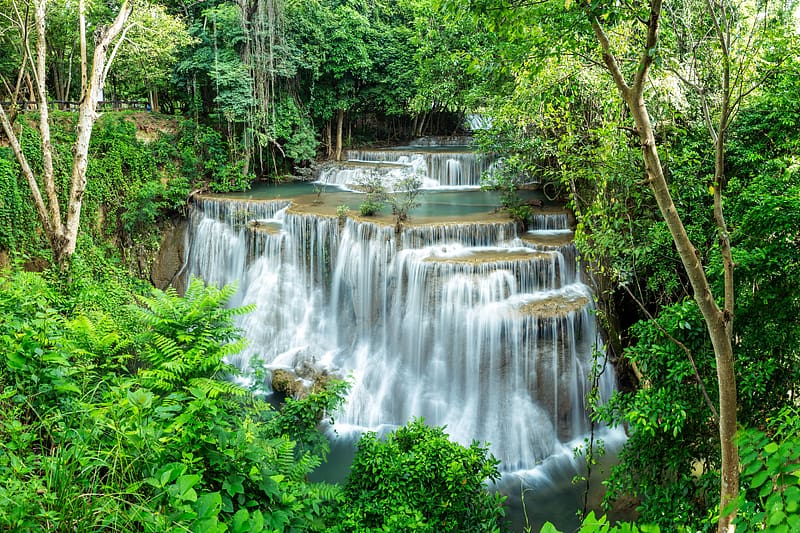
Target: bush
[418, 480]
[106, 429]
[370, 208]
[342, 211]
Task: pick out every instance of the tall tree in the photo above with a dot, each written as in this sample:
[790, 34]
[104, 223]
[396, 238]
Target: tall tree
[62, 231]
[718, 320]
[728, 38]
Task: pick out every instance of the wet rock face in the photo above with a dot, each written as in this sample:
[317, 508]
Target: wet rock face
[165, 270]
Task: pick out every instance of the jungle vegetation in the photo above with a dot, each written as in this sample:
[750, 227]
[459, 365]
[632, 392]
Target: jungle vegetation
[670, 127]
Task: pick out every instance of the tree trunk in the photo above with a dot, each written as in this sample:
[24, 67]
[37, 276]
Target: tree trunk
[718, 321]
[82, 29]
[63, 235]
[339, 126]
[328, 139]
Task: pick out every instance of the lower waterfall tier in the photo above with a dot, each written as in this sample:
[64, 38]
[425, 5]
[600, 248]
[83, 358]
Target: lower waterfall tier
[462, 323]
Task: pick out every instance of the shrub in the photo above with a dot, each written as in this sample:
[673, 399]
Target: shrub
[370, 208]
[342, 211]
[419, 480]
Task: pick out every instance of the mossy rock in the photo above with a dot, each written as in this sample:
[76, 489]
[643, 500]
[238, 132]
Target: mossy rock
[286, 382]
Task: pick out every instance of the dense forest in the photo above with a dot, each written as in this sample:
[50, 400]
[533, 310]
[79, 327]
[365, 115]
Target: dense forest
[668, 127]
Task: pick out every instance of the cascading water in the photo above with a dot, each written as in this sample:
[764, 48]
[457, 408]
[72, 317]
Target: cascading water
[438, 166]
[466, 324]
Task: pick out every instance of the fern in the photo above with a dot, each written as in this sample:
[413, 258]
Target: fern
[215, 387]
[326, 491]
[185, 341]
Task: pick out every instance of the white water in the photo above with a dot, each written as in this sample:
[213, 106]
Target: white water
[452, 168]
[465, 325]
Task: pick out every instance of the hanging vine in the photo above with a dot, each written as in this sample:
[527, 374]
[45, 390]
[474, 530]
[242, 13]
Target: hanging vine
[262, 22]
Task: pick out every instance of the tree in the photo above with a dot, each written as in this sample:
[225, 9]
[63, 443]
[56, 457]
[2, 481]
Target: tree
[718, 321]
[144, 65]
[63, 232]
[630, 46]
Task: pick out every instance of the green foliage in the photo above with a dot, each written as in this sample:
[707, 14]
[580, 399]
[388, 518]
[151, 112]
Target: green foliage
[600, 524]
[294, 131]
[401, 198]
[132, 186]
[771, 475]
[370, 208]
[87, 445]
[124, 184]
[187, 339]
[508, 180]
[376, 193]
[418, 480]
[670, 460]
[342, 211]
[207, 159]
[765, 241]
[404, 197]
[16, 212]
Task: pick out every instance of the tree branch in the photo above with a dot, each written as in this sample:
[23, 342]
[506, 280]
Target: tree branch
[683, 347]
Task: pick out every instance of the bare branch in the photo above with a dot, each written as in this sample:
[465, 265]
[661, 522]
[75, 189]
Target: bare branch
[680, 345]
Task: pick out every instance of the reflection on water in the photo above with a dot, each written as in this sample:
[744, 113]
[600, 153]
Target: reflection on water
[432, 203]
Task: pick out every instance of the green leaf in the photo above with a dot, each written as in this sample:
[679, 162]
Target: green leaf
[67, 386]
[241, 521]
[208, 505]
[140, 398]
[771, 448]
[55, 358]
[184, 487]
[759, 479]
[233, 485]
[775, 518]
[16, 361]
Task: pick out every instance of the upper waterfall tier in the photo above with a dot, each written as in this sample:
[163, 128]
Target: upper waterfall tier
[446, 167]
[459, 320]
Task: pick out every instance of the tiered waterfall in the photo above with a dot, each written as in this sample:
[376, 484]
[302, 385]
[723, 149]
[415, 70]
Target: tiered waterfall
[467, 324]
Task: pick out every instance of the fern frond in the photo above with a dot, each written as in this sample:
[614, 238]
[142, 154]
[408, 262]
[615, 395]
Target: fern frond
[326, 491]
[302, 466]
[214, 388]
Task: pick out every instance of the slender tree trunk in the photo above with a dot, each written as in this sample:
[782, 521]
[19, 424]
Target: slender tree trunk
[329, 139]
[421, 125]
[101, 62]
[56, 235]
[339, 127]
[718, 321]
[82, 28]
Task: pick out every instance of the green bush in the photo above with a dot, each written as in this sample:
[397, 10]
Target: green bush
[770, 464]
[419, 480]
[370, 208]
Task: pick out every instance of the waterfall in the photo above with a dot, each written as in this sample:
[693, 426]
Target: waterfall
[467, 325]
[446, 165]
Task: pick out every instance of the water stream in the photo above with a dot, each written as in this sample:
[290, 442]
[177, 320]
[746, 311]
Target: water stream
[458, 318]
